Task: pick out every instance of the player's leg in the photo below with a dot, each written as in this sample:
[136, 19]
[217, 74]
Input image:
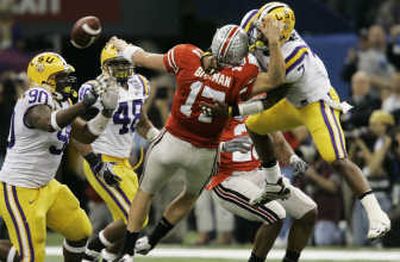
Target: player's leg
[304, 212]
[224, 223]
[24, 212]
[66, 217]
[118, 200]
[234, 195]
[197, 174]
[324, 125]
[8, 252]
[282, 116]
[203, 211]
[160, 165]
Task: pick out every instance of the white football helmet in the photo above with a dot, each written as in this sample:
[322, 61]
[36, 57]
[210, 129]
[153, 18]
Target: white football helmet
[230, 45]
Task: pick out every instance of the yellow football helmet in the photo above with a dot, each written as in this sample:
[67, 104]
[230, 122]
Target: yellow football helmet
[281, 12]
[44, 67]
[115, 65]
[51, 71]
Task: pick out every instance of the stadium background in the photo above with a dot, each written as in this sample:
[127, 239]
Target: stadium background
[342, 33]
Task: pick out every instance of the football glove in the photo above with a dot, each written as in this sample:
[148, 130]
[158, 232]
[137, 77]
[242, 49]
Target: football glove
[90, 97]
[270, 192]
[108, 92]
[242, 144]
[103, 169]
[299, 165]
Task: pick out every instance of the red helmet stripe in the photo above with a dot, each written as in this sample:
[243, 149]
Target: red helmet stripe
[227, 41]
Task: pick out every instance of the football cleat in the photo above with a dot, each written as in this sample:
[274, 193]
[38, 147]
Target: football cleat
[378, 227]
[107, 256]
[90, 256]
[126, 258]
[270, 192]
[143, 246]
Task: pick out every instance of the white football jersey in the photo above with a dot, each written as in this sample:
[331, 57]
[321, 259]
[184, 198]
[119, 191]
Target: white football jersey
[116, 140]
[33, 155]
[305, 72]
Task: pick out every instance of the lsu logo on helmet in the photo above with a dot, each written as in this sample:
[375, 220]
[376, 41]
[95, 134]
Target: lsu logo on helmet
[43, 68]
[281, 12]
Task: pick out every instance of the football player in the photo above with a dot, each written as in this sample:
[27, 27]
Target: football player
[239, 179]
[310, 101]
[190, 139]
[41, 126]
[108, 156]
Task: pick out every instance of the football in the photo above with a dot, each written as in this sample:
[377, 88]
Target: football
[85, 31]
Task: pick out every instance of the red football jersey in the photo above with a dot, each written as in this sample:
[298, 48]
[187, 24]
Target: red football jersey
[236, 161]
[228, 85]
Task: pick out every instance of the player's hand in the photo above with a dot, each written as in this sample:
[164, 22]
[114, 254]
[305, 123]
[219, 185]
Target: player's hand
[120, 44]
[109, 97]
[271, 29]
[299, 165]
[90, 97]
[242, 144]
[216, 109]
[108, 175]
[102, 169]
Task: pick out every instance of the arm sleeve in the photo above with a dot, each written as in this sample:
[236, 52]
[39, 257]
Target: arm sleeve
[180, 56]
[247, 78]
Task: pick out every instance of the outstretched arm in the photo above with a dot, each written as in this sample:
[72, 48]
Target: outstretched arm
[138, 56]
[145, 127]
[42, 117]
[275, 76]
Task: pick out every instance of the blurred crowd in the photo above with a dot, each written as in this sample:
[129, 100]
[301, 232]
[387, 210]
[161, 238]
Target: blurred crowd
[372, 69]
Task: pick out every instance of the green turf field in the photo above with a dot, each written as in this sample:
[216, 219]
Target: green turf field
[167, 253]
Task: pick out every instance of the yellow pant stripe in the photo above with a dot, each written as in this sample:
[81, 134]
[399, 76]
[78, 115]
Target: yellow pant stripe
[21, 226]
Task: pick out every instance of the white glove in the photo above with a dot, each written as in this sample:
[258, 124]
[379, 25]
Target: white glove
[242, 144]
[126, 50]
[299, 165]
[109, 99]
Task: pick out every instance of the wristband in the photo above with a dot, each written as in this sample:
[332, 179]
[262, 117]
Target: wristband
[92, 159]
[250, 108]
[152, 133]
[97, 125]
[129, 52]
[53, 121]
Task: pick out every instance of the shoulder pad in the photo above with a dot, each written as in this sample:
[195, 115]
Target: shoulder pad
[38, 96]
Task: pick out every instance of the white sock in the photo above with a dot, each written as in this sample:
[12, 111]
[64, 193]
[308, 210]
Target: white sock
[11, 254]
[273, 174]
[104, 240]
[107, 256]
[371, 206]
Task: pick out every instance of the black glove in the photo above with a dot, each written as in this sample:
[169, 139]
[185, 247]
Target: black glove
[103, 169]
[89, 98]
